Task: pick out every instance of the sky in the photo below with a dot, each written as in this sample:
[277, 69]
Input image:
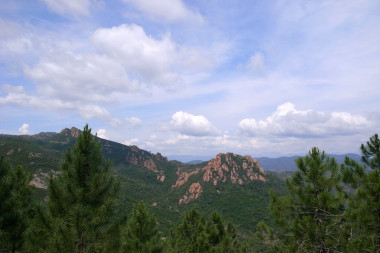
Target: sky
[180, 77]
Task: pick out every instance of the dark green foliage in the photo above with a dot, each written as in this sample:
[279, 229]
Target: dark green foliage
[197, 234]
[15, 196]
[371, 152]
[79, 213]
[310, 218]
[141, 233]
[364, 206]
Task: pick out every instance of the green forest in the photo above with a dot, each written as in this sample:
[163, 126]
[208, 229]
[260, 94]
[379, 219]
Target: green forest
[325, 207]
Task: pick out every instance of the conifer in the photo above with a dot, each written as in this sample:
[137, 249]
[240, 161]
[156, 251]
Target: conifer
[79, 213]
[141, 233]
[311, 215]
[364, 205]
[15, 198]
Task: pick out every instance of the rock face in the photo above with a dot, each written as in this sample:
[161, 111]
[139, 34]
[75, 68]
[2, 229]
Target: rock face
[193, 193]
[73, 132]
[232, 167]
[183, 176]
[224, 168]
[139, 157]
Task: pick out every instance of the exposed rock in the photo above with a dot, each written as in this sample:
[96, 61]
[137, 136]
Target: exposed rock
[193, 193]
[228, 165]
[73, 132]
[161, 178]
[150, 165]
[183, 176]
[138, 157]
[40, 178]
[10, 152]
[160, 157]
[34, 155]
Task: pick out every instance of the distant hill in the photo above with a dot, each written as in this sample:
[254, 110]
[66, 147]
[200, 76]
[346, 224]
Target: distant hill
[288, 163]
[236, 186]
[195, 162]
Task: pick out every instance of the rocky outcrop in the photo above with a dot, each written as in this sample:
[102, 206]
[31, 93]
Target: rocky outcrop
[73, 132]
[232, 167]
[193, 193]
[142, 158]
[223, 168]
[158, 156]
[40, 179]
[183, 176]
[34, 155]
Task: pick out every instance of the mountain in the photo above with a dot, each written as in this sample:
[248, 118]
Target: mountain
[288, 163]
[235, 186]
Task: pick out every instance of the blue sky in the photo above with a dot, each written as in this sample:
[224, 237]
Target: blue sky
[265, 78]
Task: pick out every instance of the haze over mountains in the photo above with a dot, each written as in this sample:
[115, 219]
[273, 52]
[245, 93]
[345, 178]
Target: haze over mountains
[284, 163]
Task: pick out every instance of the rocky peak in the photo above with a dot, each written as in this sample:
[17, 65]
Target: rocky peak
[238, 169]
[73, 132]
[223, 168]
[160, 157]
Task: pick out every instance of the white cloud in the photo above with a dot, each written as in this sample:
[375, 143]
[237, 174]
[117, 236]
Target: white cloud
[157, 61]
[188, 124]
[133, 121]
[18, 96]
[102, 133]
[288, 121]
[166, 10]
[24, 129]
[72, 8]
[90, 77]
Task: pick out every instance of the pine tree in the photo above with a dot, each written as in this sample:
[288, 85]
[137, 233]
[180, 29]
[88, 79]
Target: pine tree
[190, 235]
[79, 213]
[197, 234]
[364, 205]
[311, 215]
[141, 233]
[15, 198]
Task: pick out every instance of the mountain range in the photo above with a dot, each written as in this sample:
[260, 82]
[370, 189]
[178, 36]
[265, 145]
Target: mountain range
[236, 186]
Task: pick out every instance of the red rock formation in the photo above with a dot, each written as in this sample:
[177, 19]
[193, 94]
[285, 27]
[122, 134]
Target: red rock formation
[193, 193]
[150, 165]
[183, 177]
[224, 166]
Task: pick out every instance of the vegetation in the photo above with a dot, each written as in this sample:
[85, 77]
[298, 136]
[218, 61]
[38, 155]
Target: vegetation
[364, 204]
[78, 216]
[310, 217]
[15, 196]
[197, 234]
[91, 206]
[141, 233]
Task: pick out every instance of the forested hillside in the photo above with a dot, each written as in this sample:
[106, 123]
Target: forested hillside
[77, 192]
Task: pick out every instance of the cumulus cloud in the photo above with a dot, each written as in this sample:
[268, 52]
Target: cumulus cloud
[72, 8]
[166, 10]
[124, 60]
[90, 77]
[24, 129]
[102, 133]
[157, 61]
[193, 125]
[288, 121]
[17, 96]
